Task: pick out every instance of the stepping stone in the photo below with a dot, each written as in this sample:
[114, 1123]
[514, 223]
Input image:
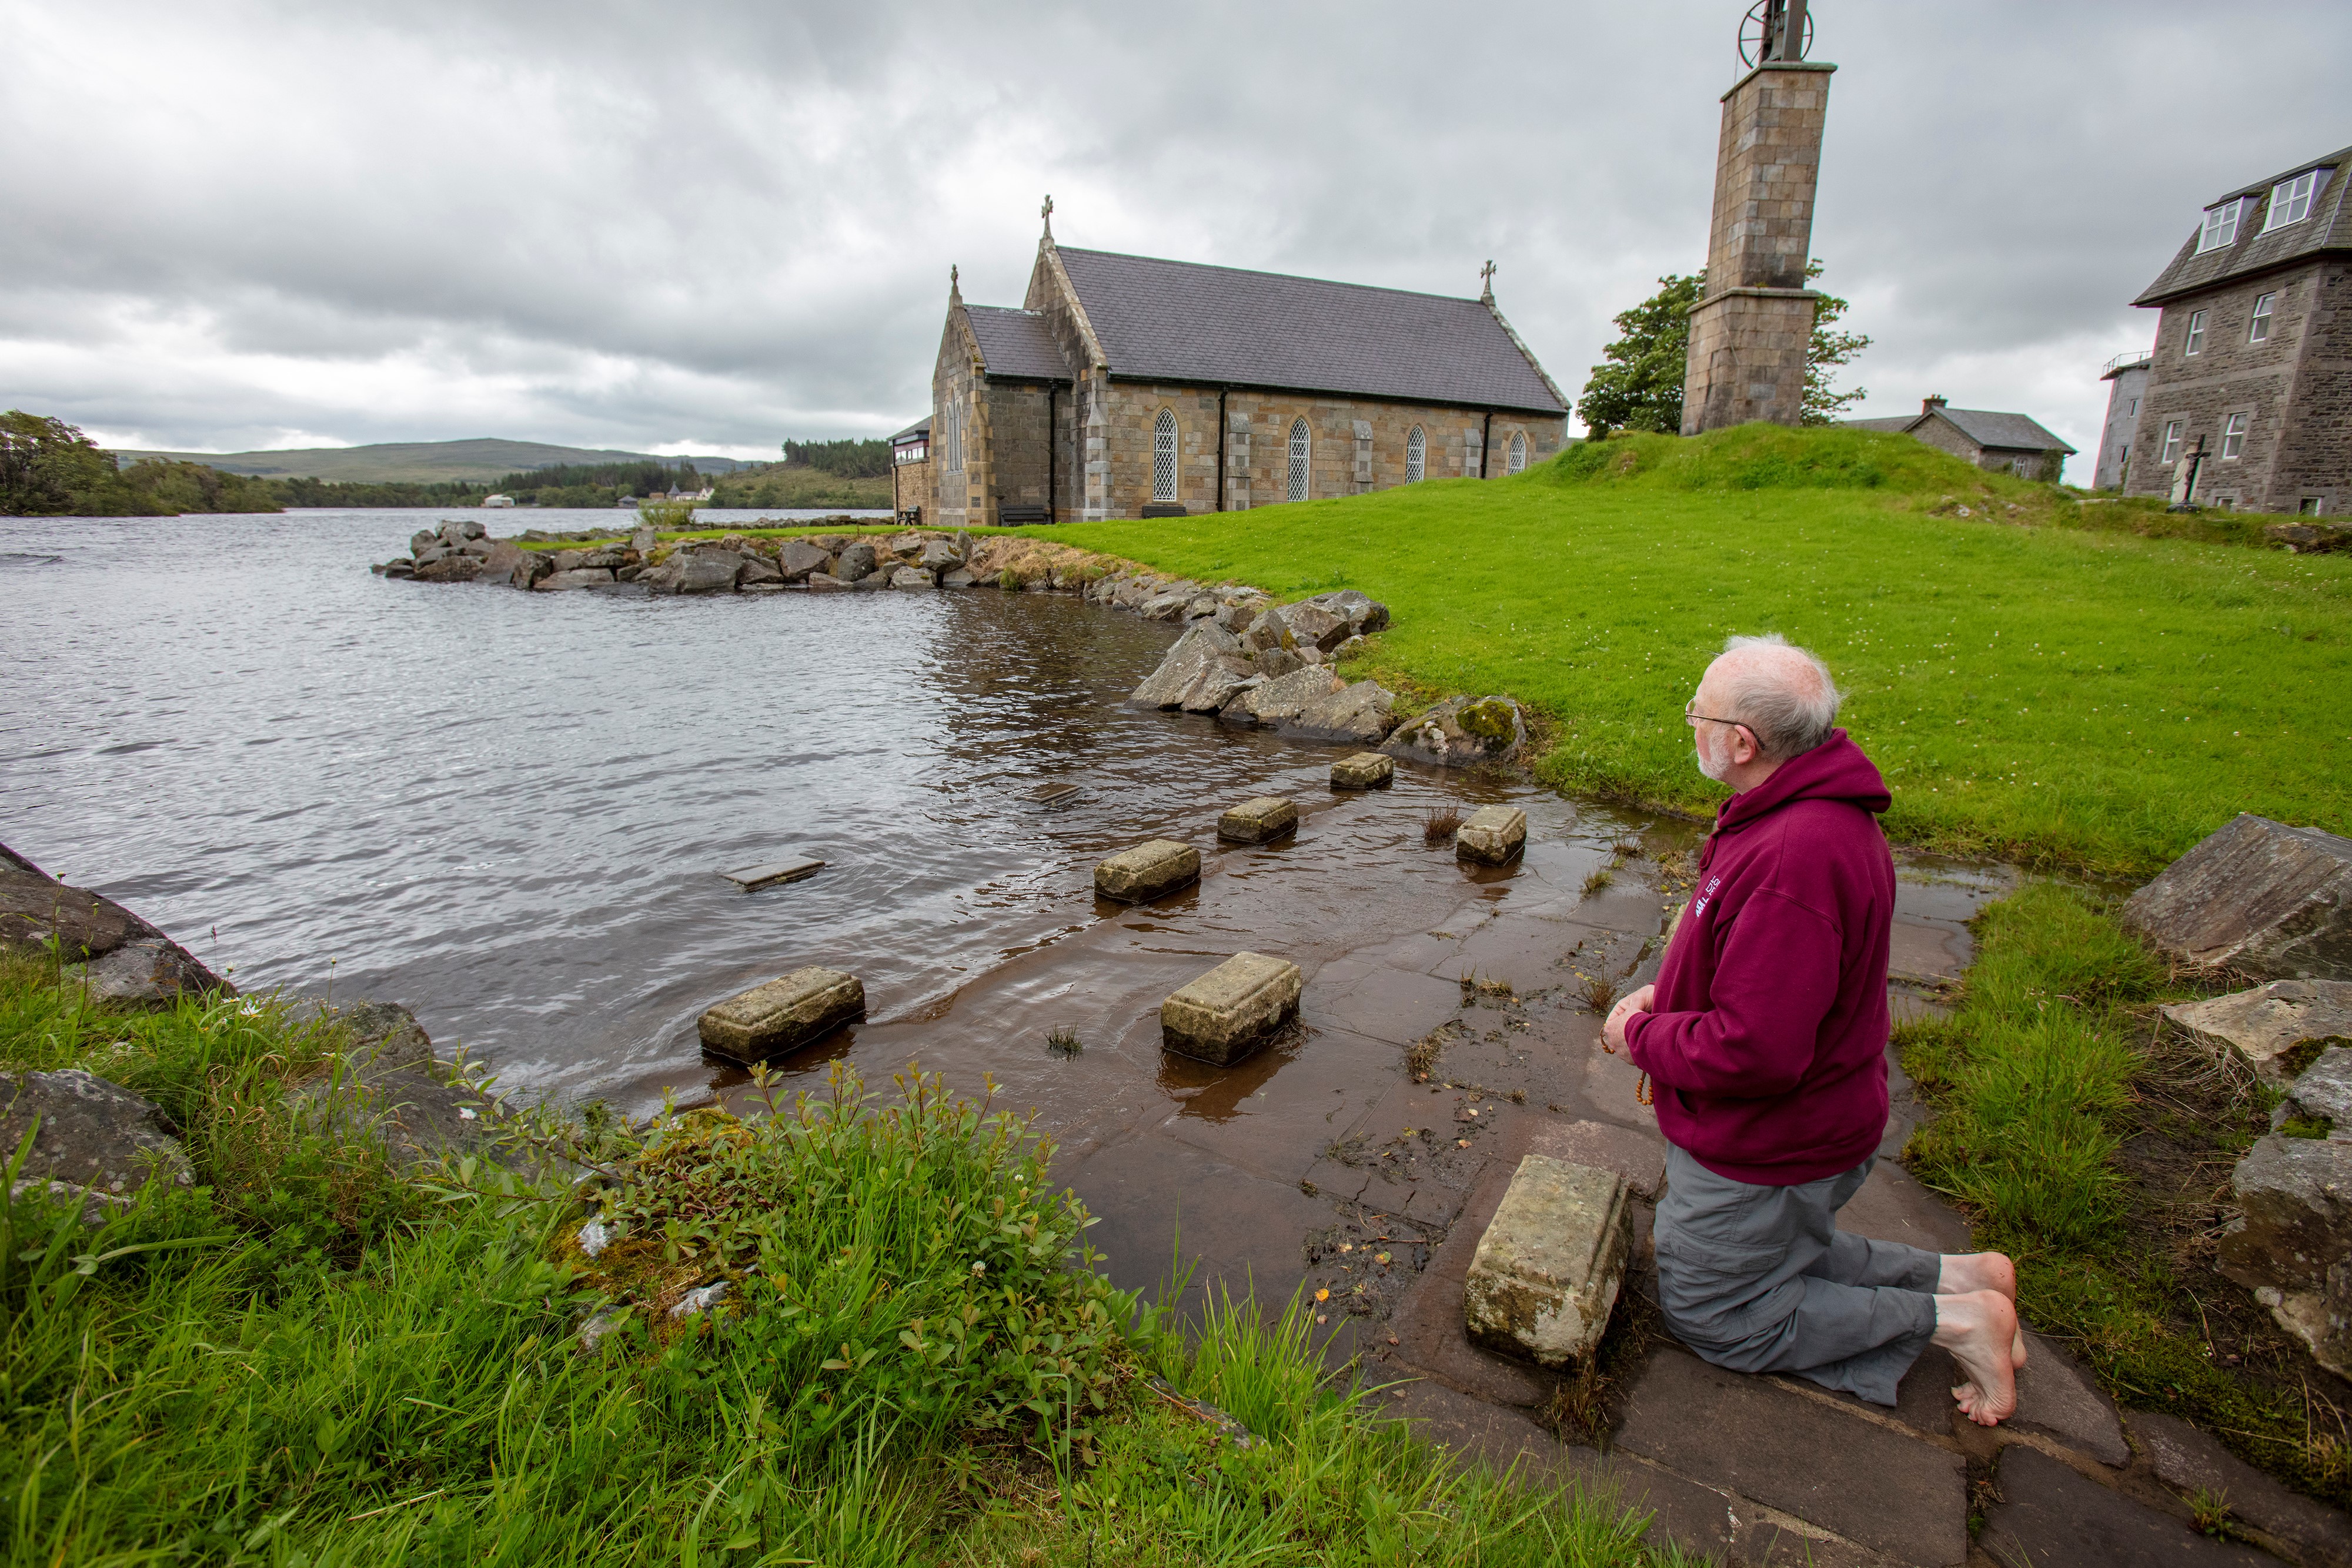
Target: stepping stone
[1232, 1009]
[2188, 1461]
[1364, 770]
[1492, 835]
[2054, 1395]
[1546, 1272]
[1255, 822]
[2049, 1517]
[1146, 870]
[774, 873]
[782, 1015]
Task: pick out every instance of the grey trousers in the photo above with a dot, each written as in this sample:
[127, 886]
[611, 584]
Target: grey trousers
[1760, 1278]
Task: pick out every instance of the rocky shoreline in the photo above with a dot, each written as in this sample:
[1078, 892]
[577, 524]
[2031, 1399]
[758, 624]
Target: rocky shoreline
[1243, 658]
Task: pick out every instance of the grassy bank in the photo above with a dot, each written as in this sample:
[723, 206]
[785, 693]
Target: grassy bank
[2036, 687]
[2096, 1149]
[317, 1358]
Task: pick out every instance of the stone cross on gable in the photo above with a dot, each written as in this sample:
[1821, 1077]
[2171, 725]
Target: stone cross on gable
[1486, 283]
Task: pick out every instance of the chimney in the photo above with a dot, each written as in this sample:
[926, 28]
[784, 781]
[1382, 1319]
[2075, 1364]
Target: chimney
[1931, 402]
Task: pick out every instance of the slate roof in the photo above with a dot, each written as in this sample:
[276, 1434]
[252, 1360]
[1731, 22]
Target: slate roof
[2000, 432]
[1017, 343]
[921, 427]
[1184, 321]
[2328, 226]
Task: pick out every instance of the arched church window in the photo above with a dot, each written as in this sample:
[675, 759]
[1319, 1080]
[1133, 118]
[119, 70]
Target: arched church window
[951, 442]
[1519, 450]
[1416, 457]
[1164, 456]
[1301, 448]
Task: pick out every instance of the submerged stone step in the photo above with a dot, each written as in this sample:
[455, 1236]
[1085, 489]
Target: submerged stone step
[1256, 820]
[1492, 835]
[1546, 1272]
[1146, 870]
[783, 1015]
[774, 873]
[1232, 1009]
[1364, 770]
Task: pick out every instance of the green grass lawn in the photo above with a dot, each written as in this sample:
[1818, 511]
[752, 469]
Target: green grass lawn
[315, 1357]
[2044, 685]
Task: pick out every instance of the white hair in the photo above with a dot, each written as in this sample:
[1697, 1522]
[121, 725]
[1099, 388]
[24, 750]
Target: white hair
[1783, 693]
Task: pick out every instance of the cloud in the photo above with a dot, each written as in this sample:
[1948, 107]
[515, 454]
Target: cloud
[715, 228]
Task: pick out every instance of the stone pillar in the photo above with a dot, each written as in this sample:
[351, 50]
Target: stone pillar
[1363, 474]
[1097, 439]
[1238, 463]
[1750, 334]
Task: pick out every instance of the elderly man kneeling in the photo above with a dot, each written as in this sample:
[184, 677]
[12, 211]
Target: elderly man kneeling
[1766, 1037]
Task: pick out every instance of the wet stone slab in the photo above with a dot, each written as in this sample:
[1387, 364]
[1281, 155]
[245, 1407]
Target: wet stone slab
[1232, 1009]
[783, 1015]
[2049, 1517]
[1147, 870]
[1255, 822]
[1364, 770]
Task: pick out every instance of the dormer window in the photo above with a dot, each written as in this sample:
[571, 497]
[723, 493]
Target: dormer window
[2220, 226]
[2291, 199]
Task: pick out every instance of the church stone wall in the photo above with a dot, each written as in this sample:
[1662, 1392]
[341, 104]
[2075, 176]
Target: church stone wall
[1357, 446]
[960, 496]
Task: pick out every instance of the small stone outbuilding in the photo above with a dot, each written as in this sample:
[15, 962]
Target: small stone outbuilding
[2010, 443]
[1129, 386]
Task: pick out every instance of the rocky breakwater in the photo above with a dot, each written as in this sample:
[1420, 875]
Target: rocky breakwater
[1249, 660]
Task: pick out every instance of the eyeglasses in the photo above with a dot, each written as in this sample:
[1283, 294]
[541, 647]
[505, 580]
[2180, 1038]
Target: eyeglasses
[1698, 719]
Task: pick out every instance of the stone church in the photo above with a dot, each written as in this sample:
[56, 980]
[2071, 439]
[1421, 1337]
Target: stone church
[1125, 386]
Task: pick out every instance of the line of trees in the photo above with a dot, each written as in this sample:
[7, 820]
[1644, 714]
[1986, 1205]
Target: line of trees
[49, 468]
[842, 459]
[1641, 386]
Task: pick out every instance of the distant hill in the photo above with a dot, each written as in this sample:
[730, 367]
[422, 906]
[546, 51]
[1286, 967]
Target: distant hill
[419, 462]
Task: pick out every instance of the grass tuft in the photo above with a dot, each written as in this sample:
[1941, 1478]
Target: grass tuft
[1438, 824]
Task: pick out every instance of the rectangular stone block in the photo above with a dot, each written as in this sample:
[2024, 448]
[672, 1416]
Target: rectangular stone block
[783, 1015]
[1255, 822]
[1232, 1009]
[774, 873]
[1146, 870]
[1492, 835]
[1364, 770]
[1546, 1272]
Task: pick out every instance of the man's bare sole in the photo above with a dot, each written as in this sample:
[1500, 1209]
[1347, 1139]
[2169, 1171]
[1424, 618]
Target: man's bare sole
[1980, 1328]
[1965, 1271]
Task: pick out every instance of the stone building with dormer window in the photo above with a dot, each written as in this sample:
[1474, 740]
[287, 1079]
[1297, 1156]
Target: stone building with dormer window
[2253, 363]
[1127, 386]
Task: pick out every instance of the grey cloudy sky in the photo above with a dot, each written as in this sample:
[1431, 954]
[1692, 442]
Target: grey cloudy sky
[710, 227]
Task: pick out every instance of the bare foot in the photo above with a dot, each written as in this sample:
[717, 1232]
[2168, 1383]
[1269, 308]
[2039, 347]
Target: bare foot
[1980, 1328]
[1965, 1271]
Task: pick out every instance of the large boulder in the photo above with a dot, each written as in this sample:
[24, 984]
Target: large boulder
[1185, 665]
[939, 555]
[759, 570]
[709, 572]
[423, 539]
[2256, 895]
[1314, 626]
[912, 577]
[2292, 1245]
[390, 1089]
[1281, 698]
[1358, 714]
[2276, 1028]
[1170, 603]
[98, 1142]
[1461, 731]
[451, 567]
[858, 561]
[580, 577]
[2311, 538]
[1220, 680]
[127, 959]
[1363, 613]
[798, 558]
[2321, 1097]
[509, 564]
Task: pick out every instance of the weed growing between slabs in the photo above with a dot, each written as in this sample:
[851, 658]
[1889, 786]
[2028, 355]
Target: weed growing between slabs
[316, 1357]
[2095, 1144]
[2037, 687]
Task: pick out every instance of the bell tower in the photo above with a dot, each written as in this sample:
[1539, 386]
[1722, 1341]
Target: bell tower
[1749, 332]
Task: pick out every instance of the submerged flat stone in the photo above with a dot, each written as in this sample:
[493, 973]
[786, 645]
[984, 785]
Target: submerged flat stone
[1255, 822]
[1364, 770]
[783, 1015]
[1146, 870]
[1546, 1272]
[774, 873]
[1232, 1009]
[1492, 835]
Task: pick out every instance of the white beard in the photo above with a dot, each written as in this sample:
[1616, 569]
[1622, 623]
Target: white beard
[1713, 769]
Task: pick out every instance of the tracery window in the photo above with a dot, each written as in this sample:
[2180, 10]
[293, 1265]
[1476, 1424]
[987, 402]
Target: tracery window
[1416, 457]
[1519, 450]
[1164, 456]
[1301, 448]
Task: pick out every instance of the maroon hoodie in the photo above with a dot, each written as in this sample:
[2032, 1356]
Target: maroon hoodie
[1767, 1036]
